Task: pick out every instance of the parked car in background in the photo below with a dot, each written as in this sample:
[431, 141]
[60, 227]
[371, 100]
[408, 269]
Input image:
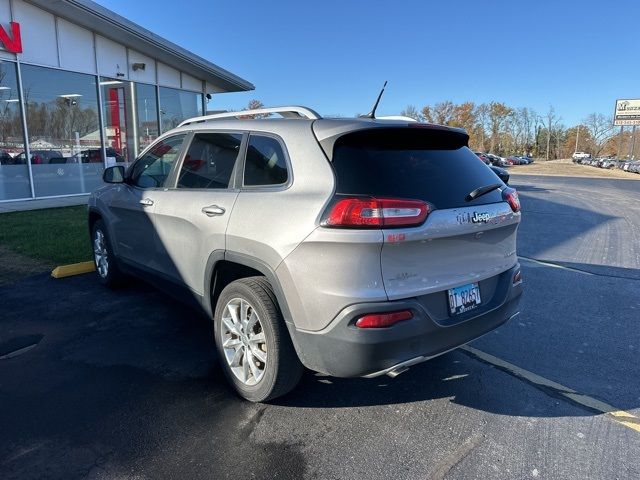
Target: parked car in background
[496, 160]
[200, 211]
[94, 155]
[627, 165]
[501, 173]
[38, 157]
[579, 156]
[513, 160]
[6, 158]
[607, 163]
[634, 167]
[483, 157]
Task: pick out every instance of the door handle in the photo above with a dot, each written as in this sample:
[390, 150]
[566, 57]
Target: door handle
[146, 202]
[213, 210]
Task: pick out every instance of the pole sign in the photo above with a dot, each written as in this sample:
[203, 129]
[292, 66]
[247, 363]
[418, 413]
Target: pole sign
[627, 112]
[11, 43]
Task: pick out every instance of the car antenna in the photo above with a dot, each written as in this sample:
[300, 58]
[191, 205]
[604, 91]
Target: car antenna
[372, 113]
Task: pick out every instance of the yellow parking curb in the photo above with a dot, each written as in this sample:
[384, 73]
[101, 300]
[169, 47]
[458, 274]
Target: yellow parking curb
[73, 269]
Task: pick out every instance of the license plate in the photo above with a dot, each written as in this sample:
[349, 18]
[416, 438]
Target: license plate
[464, 298]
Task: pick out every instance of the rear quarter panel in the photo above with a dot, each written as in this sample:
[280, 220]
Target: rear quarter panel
[268, 223]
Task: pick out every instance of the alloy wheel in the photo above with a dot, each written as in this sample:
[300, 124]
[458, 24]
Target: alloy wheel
[243, 341]
[100, 254]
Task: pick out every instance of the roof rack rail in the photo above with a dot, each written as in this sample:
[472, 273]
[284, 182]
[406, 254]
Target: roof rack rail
[286, 112]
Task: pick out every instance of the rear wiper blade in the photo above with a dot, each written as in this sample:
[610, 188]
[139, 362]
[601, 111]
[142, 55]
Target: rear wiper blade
[478, 192]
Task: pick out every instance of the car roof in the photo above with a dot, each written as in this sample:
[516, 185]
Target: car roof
[324, 128]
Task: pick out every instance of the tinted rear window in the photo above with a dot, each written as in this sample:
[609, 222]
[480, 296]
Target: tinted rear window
[431, 165]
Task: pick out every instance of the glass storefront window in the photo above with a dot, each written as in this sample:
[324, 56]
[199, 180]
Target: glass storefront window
[178, 105]
[147, 113]
[63, 127]
[64, 136]
[117, 110]
[14, 172]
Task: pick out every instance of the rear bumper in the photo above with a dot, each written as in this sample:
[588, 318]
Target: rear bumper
[343, 350]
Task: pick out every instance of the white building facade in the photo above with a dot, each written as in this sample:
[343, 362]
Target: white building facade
[82, 88]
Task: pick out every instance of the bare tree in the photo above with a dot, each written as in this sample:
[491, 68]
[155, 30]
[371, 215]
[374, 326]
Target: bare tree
[412, 112]
[482, 118]
[601, 129]
[528, 120]
[550, 121]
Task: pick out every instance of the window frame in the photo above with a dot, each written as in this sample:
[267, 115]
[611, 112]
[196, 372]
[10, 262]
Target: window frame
[171, 177]
[287, 159]
[233, 179]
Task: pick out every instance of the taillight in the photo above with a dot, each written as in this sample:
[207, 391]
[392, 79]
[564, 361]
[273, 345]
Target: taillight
[510, 195]
[376, 212]
[383, 320]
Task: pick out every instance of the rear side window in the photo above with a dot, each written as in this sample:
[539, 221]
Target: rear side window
[210, 160]
[431, 165]
[265, 162]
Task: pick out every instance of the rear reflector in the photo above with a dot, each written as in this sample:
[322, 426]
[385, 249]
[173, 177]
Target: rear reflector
[376, 212]
[382, 320]
[510, 195]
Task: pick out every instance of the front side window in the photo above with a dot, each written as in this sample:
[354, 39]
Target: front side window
[153, 168]
[265, 163]
[210, 160]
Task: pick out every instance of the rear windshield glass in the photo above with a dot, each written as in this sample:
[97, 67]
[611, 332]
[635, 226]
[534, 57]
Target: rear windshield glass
[431, 165]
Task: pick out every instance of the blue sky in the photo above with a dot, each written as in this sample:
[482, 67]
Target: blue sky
[578, 56]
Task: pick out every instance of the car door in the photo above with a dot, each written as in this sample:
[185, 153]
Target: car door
[191, 217]
[134, 201]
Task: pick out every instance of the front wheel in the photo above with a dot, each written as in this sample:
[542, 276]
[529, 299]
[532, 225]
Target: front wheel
[254, 347]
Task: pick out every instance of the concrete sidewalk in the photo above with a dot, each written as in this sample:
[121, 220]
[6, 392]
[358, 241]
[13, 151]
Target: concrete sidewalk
[40, 203]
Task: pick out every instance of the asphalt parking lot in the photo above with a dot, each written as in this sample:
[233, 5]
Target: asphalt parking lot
[114, 385]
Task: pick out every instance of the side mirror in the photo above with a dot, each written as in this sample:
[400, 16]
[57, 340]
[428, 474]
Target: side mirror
[113, 174]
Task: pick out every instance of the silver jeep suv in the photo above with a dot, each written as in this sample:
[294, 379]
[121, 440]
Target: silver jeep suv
[353, 247]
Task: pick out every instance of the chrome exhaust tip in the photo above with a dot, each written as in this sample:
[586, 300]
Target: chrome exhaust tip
[395, 372]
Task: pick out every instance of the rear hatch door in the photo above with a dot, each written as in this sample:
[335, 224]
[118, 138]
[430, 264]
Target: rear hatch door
[461, 241]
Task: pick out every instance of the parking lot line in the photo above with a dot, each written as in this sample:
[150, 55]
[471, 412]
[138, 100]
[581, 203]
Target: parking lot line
[620, 416]
[552, 265]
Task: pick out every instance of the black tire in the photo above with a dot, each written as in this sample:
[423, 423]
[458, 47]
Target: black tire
[114, 276]
[282, 369]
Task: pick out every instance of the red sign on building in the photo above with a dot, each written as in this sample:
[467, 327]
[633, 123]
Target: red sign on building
[11, 43]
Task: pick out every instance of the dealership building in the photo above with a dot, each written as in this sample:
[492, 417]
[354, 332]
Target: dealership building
[82, 88]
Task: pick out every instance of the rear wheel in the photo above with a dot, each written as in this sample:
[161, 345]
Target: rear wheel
[254, 347]
[106, 266]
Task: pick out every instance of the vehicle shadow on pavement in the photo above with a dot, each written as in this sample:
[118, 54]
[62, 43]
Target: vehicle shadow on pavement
[553, 228]
[103, 339]
[117, 382]
[121, 380]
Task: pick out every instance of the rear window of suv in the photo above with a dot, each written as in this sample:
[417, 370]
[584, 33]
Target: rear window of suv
[417, 163]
